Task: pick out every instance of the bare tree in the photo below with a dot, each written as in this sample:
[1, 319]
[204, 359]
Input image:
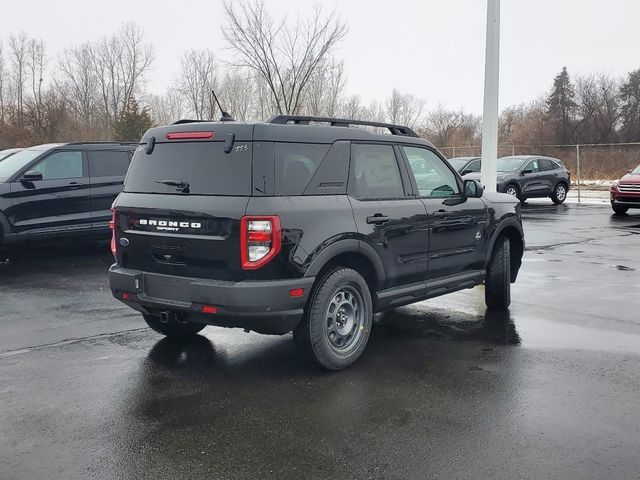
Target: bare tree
[198, 76]
[18, 52]
[3, 74]
[442, 125]
[80, 83]
[120, 63]
[167, 108]
[403, 109]
[598, 108]
[36, 64]
[325, 89]
[237, 91]
[285, 55]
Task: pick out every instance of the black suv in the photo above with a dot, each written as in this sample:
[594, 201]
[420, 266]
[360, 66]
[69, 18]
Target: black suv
[60, 190]
[295, 225]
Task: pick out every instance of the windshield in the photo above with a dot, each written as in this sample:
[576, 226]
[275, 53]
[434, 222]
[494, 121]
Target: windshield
[12, 164]
[458, 163]
[510, 164]
[6, 153]
[636, 171]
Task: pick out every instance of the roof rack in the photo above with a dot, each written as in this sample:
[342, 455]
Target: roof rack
[101, 143]
[340, 122]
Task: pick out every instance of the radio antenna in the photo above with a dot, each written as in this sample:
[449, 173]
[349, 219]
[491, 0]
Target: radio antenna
[225, 116]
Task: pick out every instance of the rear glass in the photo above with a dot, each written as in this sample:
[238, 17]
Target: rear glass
[202, 166]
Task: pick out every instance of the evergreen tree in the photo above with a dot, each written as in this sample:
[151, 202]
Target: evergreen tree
[132, 123]
[561, 107]
[630, 109]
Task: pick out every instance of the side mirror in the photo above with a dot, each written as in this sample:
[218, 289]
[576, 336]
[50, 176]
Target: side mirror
[629, 171]
[473, 189]
[525, 172]
[464, 172]
[31, 176]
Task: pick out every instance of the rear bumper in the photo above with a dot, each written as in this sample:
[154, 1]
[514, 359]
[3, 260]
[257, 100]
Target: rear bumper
[263, 306]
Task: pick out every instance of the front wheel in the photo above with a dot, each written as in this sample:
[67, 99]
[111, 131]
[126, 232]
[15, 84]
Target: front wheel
[173, 328]
[619, 210]
[559, 194]
[497, 285]
[512, 189]
[337, 321]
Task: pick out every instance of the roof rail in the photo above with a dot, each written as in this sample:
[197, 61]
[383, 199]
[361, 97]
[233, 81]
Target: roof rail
[340, 122]
[101, 143]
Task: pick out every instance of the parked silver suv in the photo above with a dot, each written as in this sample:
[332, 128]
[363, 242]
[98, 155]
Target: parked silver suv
[531, 176]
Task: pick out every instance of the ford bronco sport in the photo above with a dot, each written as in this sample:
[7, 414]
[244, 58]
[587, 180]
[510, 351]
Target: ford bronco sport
[302, 223]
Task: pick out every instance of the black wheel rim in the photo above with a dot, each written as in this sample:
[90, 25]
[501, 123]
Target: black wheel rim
[344, 320]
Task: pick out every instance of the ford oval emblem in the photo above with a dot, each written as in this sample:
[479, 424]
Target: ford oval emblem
[124, 242]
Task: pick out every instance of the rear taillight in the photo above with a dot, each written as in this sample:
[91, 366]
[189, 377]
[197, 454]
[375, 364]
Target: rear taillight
[260, 240]
[112, 227]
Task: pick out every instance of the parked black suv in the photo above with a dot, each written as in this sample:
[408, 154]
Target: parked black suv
[292, 225]
[57, 190]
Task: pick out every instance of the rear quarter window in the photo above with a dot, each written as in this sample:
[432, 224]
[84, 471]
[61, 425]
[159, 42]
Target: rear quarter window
[204, 166]
[295, 164]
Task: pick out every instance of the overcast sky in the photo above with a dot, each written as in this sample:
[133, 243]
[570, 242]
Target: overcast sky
[432, 49]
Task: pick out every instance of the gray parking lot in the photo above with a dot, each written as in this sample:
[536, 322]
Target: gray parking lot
[444, 390]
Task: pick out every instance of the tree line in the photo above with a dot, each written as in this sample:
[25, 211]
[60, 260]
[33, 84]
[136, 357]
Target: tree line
[97, 90]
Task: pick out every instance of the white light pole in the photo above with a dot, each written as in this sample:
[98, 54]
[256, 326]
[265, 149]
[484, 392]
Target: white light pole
[490, 112]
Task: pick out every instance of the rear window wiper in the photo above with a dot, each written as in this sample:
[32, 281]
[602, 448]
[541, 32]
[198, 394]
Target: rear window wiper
[181, 185]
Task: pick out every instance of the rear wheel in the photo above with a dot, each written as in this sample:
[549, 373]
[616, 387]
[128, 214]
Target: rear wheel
[337, 321]
[559, 194]
[173, 328]
[619, 210]
[497, 289]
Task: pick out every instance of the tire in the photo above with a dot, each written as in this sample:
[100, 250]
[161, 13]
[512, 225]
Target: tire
[513, 190]
[497, 289]
[619, 210]
[172, 328]
[559, 194]
[337, 321]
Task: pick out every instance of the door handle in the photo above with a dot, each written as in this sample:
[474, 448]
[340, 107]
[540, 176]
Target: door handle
[377, 219]
[74, 185]
[440, 213]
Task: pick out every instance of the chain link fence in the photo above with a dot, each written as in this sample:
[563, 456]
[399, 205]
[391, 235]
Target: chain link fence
[587, 163]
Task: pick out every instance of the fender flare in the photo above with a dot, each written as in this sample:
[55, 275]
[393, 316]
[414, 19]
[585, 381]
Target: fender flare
[504, 224]
[350, 245]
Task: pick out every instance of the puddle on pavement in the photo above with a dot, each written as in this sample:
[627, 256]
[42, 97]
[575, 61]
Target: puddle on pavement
[501, 328]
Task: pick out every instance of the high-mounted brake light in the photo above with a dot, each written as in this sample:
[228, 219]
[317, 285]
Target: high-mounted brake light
[260, 240]
[188, 135]
[112, 227]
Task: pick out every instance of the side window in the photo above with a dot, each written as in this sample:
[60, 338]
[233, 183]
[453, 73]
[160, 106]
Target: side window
[433, 177]
[60, 165]
[533, 166]
[108, 163]
[374, 172]
[473, 167]
[295, 164]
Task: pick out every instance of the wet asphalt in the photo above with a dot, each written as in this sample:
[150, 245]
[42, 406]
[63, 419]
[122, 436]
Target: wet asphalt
[444, 390]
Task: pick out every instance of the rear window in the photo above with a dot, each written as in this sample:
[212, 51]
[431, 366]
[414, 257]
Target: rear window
[202, 165]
